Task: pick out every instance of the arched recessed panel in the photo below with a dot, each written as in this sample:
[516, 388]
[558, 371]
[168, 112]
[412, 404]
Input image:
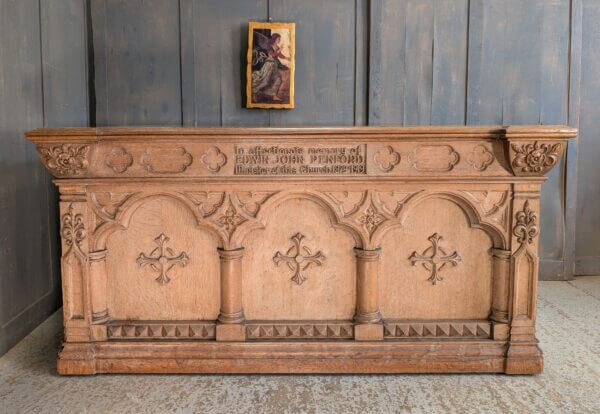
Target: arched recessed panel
[436, 266]
[163, 266]
[299, 266]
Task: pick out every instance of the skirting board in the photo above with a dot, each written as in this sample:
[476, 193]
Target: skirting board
[301, 357]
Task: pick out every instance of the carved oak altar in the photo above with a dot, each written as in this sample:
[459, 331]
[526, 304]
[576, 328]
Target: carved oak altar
[300, 250]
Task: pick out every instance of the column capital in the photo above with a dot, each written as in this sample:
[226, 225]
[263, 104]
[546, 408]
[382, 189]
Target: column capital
[232, 254]
[367, 255]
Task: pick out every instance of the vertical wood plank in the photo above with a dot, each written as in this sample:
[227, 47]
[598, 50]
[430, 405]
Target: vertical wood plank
[137, 49]
[214, 42]
[418, 65]
[361, 61]
[450, 36]
[572, 153]
[588, 196]
[325, 61]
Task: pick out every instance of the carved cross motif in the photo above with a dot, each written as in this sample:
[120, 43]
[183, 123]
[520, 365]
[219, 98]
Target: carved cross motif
[162, 259]
[296, 261]
[437, 259]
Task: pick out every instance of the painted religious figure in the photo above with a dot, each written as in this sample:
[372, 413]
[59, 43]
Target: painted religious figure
[270, 73]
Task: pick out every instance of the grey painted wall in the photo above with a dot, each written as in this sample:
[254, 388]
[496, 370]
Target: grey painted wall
[43, 82]
[359, 62]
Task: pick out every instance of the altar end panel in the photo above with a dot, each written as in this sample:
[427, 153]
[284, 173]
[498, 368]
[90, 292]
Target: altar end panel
[137, 62]
[587, 242]
[38, 40]
[518, 74]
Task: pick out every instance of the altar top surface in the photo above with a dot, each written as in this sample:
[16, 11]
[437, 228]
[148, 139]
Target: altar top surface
[538, 132]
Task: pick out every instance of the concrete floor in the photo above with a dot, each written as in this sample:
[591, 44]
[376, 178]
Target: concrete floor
[568, 327]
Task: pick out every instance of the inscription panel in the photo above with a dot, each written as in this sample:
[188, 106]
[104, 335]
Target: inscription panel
[336, 159]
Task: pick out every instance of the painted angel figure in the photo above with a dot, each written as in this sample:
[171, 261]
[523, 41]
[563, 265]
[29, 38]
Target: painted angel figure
[270, 77]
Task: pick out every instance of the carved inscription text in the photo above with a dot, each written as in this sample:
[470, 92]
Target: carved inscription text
[294, 160]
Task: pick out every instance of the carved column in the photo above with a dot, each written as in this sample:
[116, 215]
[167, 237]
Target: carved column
[98, 293]
[523, 354]
[74, 239]
[367, 315]
[500, 293]
[231, 316]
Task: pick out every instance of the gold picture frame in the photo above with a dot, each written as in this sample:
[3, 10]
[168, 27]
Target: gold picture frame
[271, 65]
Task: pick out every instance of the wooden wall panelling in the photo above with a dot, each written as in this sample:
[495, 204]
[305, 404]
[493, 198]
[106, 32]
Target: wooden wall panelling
[326, 64]
[137, 62]
[418, 58]
[588, 197]
[43, 67]
[214, 43]
[572, 151]
[518, 74]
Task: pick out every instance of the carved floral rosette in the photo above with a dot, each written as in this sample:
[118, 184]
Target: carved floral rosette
[534, 158]
[65, 159]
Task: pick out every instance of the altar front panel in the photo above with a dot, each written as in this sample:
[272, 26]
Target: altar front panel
[379, 249]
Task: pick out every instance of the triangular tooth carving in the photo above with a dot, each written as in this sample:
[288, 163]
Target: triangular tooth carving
[333, 331]
[389, 329]
[129, 331]
[320, 330]
[170, 329]
[483, 330]
[470, 329]
[442, 329]
[281, 331]
[195, 331]
[141, 331]
[210, 331]
[115, 331]
[182, 331]
[429, 329]
[294, 330]
[346, 331]
[416, 329]
[306, 330]
[402, 329]
[154, 330]
[456, 329]
[253, 331]
[266, 331]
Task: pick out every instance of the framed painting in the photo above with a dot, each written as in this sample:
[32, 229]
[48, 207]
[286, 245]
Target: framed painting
[271, 65]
